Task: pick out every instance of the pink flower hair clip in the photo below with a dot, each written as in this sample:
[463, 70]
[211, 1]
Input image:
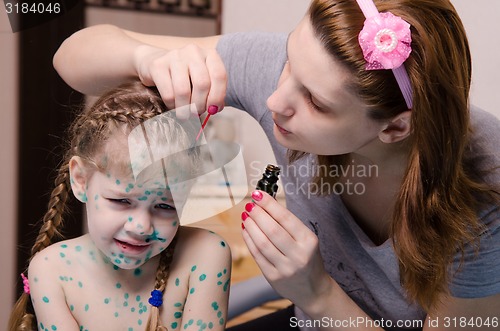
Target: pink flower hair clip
[386, 44]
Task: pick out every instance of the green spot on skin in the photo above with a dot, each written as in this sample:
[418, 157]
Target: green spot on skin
[87, 307]
[118, 285]
[132, 309]
[64, 246]
[178, 314]
[177, 282]
[80, 284]
[96, 197]
[177, 304]
[78, 248]
[36, 279]
[139, 322]
[53, 327]
[174, 325]
[223, 244]
[147, 192]
[71, 307]
[117, 182]
[203, 277]
[116, 314]
[62, 255]
[138, 298]
[137, 272]
[45, 299]
[106, 301]
[210, 325]
[215, 306]
[144, 198]
[221, 321]
[154, 236]
[118, 261]
[191, 291]
[193, 268]
[130, 218]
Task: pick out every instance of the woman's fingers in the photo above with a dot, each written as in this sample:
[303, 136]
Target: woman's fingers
[184, 76]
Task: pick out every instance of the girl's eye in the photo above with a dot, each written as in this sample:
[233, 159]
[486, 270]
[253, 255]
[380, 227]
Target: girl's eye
[164, 206]
[120, 201]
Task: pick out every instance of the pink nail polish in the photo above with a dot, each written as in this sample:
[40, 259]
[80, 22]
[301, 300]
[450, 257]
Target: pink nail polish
[257, 195]
[244, 216]
[249, 206]
[212, 110]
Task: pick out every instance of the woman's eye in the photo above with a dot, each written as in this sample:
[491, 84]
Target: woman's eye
[313, 105]
[164, 206]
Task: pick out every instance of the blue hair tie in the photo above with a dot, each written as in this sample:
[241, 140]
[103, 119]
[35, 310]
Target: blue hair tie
[156, 299]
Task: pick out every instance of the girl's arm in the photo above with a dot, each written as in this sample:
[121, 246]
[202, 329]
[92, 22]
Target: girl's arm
[209, 281]
[185, 70]
[47, 295]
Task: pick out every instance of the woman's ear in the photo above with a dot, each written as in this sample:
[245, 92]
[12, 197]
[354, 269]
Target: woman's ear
[78, 177]
[399, 128]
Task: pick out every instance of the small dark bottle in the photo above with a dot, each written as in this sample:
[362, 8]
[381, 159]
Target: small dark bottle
[269, 181]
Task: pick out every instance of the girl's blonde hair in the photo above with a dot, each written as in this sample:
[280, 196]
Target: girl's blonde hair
[435, 213]
[126, 106]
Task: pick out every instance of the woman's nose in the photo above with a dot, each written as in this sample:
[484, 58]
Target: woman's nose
[139, 223]
[282, 101]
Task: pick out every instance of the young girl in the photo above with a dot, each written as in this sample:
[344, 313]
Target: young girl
[137, 268]
[372, 100]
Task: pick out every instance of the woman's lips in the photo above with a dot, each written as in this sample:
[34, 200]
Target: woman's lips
[130, 248]
[281, 130]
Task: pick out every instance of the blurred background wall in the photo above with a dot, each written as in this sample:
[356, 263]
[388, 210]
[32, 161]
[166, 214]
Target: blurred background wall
[480, 19]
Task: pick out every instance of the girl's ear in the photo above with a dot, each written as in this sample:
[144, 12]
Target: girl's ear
[397, 129]
[78, 178]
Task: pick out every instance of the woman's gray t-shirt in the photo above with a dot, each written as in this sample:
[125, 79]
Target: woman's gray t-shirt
[368, 273]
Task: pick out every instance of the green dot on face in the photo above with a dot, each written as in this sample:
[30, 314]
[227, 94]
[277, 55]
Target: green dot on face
[137, 272]
[139, 322]
[78, 248]
[80, 284]
[117, 182]
[191, 291]
[178, 314]
[62, 255]
[116, 314]
[53, 327]
[64, 246]
[45, 299]
[203, 277]
[177, 282]
[87, 307]
[223, 244]
[193, 268]
[138, 298]
[174, 325]
[71, 307]
[106, 301]
[118, 285]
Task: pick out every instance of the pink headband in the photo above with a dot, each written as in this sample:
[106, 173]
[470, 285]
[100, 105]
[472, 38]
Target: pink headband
[386, 44]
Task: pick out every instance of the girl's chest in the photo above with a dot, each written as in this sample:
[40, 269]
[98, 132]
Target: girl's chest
[118, 306]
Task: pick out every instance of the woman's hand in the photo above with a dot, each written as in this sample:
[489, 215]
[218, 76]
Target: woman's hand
[286, 251]
[183, 76]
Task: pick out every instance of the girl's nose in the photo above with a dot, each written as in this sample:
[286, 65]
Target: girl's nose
[139, 223]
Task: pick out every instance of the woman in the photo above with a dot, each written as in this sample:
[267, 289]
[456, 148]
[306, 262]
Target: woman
[410, 244]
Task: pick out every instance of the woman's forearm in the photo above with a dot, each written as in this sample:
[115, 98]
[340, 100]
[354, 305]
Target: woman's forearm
[96, 58]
